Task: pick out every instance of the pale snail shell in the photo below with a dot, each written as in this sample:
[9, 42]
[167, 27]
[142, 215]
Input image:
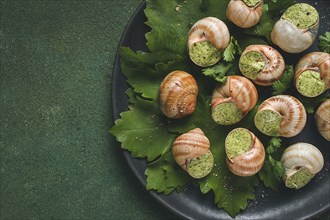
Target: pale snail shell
[193, 145]
[209, 29]
[301, 157]
[178, 94]
[292, 39]
[248, 162]
[242, 15]
[322, 118]
[281, 115]
[317, 62]
[274, 64]
[237, 90]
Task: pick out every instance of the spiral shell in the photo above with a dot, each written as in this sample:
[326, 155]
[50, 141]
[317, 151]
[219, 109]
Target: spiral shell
[271, 64]
[322, 118]
[291, 38]
[238, 91]
[243, 15]
[281, 115]
[189, 146]
[249, 161]
[209, 29]
[319, 64]
[301, 162]
[178, 94]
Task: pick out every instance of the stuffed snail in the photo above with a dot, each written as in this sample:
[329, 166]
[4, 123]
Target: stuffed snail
[191, 151]
[281, 115]
[301, 162]
[322, 119]
[297, 28]
[244, 13]
[232, 100]
[206, 39]
[245, 153]
[312, 74]
[262, 64]
[178, 94]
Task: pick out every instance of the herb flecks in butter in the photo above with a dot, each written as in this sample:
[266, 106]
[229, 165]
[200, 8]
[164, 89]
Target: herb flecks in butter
[268, 122]
[201, 166]
[302, 15]
[226, 114]
[310, 84]
[204, 54]
[299, 179]
[251, 64]
[237, 142]
[251, 3]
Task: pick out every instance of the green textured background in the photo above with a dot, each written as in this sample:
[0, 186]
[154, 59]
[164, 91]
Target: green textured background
[57, 159]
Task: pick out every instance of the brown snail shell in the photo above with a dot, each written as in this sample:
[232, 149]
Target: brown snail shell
[238, 90]
[191, 145]
[249, 162]
[178, 94]
[242, 15]
[274, 65]
[318, 62]
[322, 118]
[289, 116]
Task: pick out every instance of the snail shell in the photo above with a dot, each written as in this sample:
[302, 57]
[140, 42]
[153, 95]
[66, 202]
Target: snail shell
[212, 30]
[318, 64]
[238, 94]
[262, 64]
[301, 162]
[243, 15]
[178, 94]
[190, 146]
[281, 115]
[322, 118]
[291, 38]
[249, 154]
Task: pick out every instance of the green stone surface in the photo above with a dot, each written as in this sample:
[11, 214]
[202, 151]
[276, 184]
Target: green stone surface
[57, 158]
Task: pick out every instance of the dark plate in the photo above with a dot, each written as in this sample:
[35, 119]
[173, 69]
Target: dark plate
[305, 203]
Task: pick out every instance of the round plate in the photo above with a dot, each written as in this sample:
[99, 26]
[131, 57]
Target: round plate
[305, 203]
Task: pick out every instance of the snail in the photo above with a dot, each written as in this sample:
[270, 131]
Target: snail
[301, 162]
[262, 64]
[322, 119]
[191, 151]
[312, 74]
[244, 13]
[281, 115]
[245, 152]
[297, 28]
[178, 94]
[232, 100]
[207, 38]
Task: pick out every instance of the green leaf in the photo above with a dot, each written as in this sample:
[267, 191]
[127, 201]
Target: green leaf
[220, 71]
[267, 176]
[232, 49]
[278, 168]
[324, 42]
[142, 130]
[285, 82]
[274, 145]
[311, 104]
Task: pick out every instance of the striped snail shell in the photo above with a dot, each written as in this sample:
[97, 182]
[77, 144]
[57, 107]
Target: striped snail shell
[232, 100]
[206, 39]
[244, 13]
[301, 162]
[312, 74]
[297, 28]
[281, 115]
[178, 94]
[322, 118]
[191, 151]
[245, 152]
[262, 64]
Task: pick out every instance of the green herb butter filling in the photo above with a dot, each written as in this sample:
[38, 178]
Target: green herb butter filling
[251, 3]
[251, 63]
[310, 84]
[268, 122]
[226, 114]
[201, 166]
[298, 179]
[204, 54]
[237, 142]
[302, 15]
